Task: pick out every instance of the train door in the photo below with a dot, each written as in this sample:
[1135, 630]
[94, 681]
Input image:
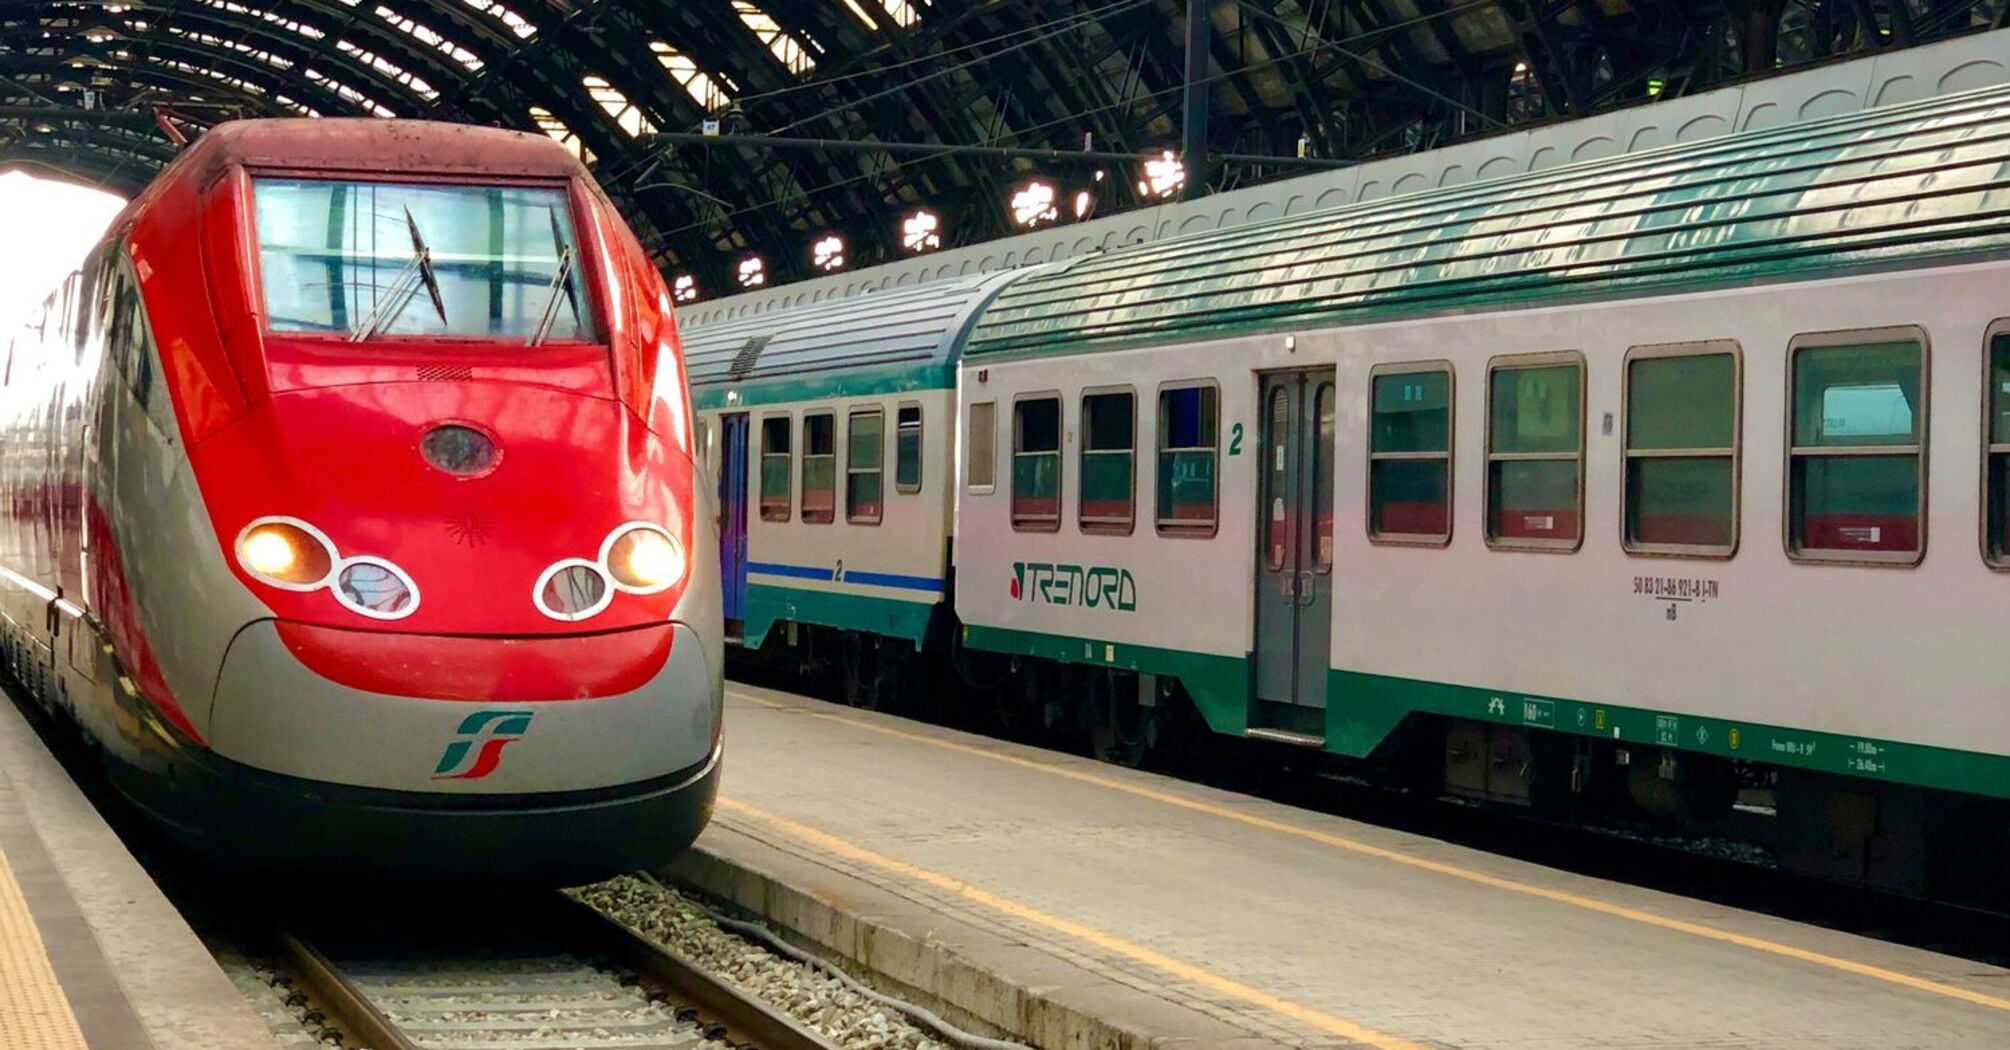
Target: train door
[1294, 581]
[733, 513]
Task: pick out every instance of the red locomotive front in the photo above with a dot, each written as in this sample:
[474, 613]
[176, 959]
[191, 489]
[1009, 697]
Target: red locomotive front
[391, 509]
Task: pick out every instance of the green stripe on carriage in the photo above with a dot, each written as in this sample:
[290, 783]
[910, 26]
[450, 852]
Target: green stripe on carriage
[1218, 684]
[710, 396]
[767, 605]
[1364, 709]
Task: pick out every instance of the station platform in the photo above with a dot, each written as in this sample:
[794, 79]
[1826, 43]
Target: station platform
[1065, 902]
[92, 955]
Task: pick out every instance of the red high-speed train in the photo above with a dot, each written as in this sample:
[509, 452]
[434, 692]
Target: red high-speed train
[347, 502]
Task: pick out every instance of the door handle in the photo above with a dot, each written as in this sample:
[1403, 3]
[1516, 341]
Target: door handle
[1290, 584]
[1308, 590]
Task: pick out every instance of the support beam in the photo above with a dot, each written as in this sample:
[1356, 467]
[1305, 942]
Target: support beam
[1193, 145]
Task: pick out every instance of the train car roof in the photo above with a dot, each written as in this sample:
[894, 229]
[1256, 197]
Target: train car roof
[1898, 186]
[419, 147]
[881, 342]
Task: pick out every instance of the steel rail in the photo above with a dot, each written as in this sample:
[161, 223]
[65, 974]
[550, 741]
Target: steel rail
[746, 1020]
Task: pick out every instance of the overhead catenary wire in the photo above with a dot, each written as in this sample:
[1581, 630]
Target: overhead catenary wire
[1126, 103]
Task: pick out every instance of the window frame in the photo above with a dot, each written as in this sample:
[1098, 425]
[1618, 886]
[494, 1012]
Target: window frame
[1846, 338]
[788, 513]
[1082, 451]
[1663, 351]
[803, 467]
[1516, 362]
[970, 414]
[920, 448]
[1999, 328]
[851, 418]
[1450, 456]
[1178, 530]
[1060, 455]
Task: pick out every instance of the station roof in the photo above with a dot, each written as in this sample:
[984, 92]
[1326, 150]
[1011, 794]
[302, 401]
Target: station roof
[99, 90]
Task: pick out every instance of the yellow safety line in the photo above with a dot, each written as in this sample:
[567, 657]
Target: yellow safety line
[1181, 969]
[1621, 911]
[34, 1014]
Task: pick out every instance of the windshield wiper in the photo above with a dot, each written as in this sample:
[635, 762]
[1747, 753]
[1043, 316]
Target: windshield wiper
[417, 272]
[560, 279]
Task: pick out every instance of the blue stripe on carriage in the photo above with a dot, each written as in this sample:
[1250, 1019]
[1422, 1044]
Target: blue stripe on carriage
[868, 579]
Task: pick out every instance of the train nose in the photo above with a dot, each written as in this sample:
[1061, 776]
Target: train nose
[531, 714]
[449, 509]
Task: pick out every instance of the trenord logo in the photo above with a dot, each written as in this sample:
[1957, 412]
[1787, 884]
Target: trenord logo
[463, 760]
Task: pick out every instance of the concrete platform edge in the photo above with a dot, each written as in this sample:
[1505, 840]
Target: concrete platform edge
[182, 998]
[985, 980]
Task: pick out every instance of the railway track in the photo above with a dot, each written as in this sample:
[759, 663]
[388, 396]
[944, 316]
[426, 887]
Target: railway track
[557, 975]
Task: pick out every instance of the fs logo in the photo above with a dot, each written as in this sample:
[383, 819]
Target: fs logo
[479, 749]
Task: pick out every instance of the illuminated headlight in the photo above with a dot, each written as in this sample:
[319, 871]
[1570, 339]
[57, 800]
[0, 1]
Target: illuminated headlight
[292, 555]
[286, 553]
[642, 558]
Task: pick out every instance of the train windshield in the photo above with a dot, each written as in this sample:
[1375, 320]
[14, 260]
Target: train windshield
[372, 259]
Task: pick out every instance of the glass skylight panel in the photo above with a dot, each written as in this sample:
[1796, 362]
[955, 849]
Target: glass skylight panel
[903, 12]
[212, 40]
[426, 35]
[271, 17]
[627, 115]
[516, 22]
[559, 133]
[707, 92]
[793, 56]
[349, 94]
[388, 68]
[899, 13]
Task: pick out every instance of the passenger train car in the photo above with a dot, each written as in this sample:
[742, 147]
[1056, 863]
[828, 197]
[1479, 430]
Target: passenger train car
[1645, 485]
[349, 507]
[848, 553]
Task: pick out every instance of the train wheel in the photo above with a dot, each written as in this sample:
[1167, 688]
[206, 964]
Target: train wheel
[1121, 731]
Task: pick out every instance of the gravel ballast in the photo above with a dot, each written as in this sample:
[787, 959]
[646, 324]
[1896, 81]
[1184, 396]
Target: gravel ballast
[814, 998]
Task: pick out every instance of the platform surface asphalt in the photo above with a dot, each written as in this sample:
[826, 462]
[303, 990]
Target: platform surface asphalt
[1044, 893]
[92, 955]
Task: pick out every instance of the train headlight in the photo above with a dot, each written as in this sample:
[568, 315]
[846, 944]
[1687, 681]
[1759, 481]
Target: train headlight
[286, 553]
[643, 559]
[292, 555]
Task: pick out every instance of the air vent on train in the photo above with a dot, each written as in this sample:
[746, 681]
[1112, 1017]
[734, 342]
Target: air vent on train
[743, 362]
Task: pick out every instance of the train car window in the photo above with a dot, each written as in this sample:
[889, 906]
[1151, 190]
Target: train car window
[1996, 524]
[1682, 425]
[980, 469]
[344, 258]
[777, 467]
[1323, 406]
[1189, 453]
[864, 466]
[907, 449]
[1856, 482]
[1108, 497]
[1535, 452]
[1036, 463]
[819, 468]
[1410, 454]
